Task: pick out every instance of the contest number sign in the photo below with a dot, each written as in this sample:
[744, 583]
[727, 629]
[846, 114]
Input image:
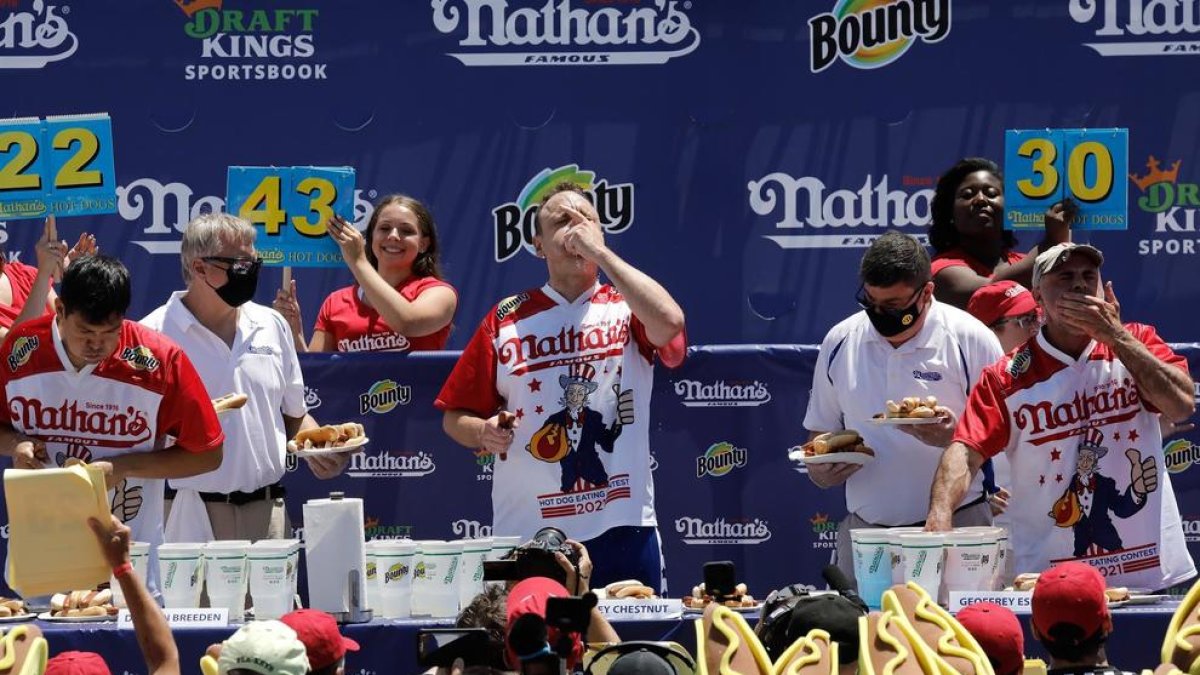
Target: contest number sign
[1042, 167]
[60, 166]
[292, 205]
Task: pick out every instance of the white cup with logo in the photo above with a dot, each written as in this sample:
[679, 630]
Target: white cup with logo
[970, 561]
[872, 564]
[395, 560]
[139, 556]
[470, 574]
[270, 583]
[435, 583]
[894, 550]
[225, 575]
[998, 538]
[922, 555]
[369, 588]
[181, 574]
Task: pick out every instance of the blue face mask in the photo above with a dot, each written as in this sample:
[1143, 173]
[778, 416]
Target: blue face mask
[891, 322]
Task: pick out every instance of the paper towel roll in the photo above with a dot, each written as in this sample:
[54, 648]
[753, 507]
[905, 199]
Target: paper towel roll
[335, 545]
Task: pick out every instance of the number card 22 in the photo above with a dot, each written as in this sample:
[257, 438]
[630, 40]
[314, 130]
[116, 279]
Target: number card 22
[292, 205]
[1045, 166]
[60, 165]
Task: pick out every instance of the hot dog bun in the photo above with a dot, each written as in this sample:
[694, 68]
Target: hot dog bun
[1116, 594]
[229, 402]
[318, 437]
[1025, 582]
[640, 592]
[835, 441]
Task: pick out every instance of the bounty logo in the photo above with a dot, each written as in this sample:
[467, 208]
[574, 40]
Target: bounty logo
[720, 459]
[804, 203]
[824, 531]
[398, 571]
[870, 34]
[1180, 454]
[140, 358]
[1175, 206]
[515, 221]
[22, 348]
[383, 397]
[722, 394]
[556, 33]
[251, 44]
[32, 39]
[387, 465]
[1136, 30]
[695, 531]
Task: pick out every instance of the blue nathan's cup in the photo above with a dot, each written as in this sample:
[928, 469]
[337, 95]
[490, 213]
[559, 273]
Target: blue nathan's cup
[872, 564]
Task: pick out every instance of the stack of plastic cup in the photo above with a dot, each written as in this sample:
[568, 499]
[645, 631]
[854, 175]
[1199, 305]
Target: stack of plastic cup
[922, 555]
[970, 561]
[372, 574]
[435, 584]
[872, 564]
[270, 587]
[139, 555]
[394, 562]
[225, 567]
[997, 537]
[894, 550]
[470, 574]
[181, 574]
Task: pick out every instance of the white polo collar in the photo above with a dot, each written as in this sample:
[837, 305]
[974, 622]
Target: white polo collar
[1063, 357]
[583, 298]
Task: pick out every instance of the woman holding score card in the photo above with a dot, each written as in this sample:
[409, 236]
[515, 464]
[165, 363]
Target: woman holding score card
[27, 292]
[398, 302]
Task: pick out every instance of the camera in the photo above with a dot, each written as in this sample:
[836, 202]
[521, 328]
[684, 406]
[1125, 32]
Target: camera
[534, 558]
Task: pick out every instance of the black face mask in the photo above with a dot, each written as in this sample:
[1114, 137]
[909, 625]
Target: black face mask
[242, 280]
[891, 322]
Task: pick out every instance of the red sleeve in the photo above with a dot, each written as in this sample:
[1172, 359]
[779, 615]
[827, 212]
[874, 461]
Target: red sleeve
[1149, 337]
[983, 426]
[186, 410]
[412, 291]
[939, 264]
[671, 354]
[325, 315]
[472, 384]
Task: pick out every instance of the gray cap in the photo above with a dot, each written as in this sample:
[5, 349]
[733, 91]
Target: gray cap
[1058, 254]
[641, 662]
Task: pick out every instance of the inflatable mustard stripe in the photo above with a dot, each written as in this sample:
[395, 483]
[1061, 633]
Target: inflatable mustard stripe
[738, 634]
[1177, 649]
[808, 651]
[37, 652]
[905, 648]
[955, 641]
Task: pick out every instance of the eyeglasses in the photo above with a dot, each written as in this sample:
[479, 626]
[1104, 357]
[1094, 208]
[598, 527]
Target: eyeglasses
[236, 265]
[1024, 321]
[864, 301]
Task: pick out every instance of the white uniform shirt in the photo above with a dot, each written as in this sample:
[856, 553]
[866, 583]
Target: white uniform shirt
[858, 371]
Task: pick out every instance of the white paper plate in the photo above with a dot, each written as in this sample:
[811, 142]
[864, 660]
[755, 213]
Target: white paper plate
[47, 616]
[744, 610]
[905, 421]
[797, 454]
[350, 446]
[1139, 600]
[28, 616]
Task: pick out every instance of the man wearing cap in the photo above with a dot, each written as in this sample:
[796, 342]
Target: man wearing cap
[324, 643]
[265, 648]
[789, 615]
[1085, 381]
[1071, 619]
[998, 632]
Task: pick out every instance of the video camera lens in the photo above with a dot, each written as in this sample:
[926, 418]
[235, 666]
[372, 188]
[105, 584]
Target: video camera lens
[550, 538]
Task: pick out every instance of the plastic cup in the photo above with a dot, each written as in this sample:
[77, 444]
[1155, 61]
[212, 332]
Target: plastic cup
[922, 555]
[894, 550]
[970, 561]
[470, 576]
[999, 553]
[394, 560]
[270, 588]
[139, 555]
[225, 574]
[872, 564]
[181, 574]
[435, 582]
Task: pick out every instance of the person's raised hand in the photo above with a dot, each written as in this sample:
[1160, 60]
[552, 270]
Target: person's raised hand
[113, 537]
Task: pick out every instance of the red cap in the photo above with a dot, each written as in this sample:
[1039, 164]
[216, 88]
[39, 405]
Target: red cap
[77, 663]
[529, 597]
[998, 631]
[999, 300]
[322, 640]
[1071, 593]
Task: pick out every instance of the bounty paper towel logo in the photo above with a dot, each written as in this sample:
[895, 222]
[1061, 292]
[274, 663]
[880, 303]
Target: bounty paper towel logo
[140, 358]
[871, 34]
[824, 531]
[250, 43]
[721, 393]
[383, 397]
[515, 221]
[566, 32]
[720, 459]
[1140, 27]
[22, 348]
[389, 465]
[1180, 454]
[398, 571]
[720, 531]
[36, 37]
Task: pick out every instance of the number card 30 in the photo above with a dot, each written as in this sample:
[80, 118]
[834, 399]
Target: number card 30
[292, 205]
[1042, 167]
[60, 165]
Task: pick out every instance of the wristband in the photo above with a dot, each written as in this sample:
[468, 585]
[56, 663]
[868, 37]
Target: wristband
[123, 569]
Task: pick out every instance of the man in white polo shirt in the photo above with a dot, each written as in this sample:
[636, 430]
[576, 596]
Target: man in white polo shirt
[904, 343]
[238, 347]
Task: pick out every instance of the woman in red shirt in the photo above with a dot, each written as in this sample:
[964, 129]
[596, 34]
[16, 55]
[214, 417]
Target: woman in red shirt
[27, 292]
[399, 301]
[971, 247]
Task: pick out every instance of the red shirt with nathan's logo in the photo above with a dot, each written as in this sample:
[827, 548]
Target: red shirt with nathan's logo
[355, 326]
[1083, 446]
[579, 461]
[146, 390]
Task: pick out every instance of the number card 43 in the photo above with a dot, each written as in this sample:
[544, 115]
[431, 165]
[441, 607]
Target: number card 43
[1042, 167]
[59, 165]
[292, 205]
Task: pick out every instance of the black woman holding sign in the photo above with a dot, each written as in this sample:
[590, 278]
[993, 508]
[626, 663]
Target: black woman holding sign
[27, 292]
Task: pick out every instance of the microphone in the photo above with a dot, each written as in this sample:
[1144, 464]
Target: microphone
[839, 582]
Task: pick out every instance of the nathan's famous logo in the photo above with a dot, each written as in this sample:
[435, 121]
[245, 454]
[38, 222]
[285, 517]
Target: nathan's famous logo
[873, 33]
[140, 357]
[1175, 206]
[722, 393]
[374, 530]
[486, 462]
[720, 459]
[312, 397]
[824, 531]
[470, 529]
[398, 571]
[34, 38]
[388, 465]
[101, 419]
[556, 33]
[1140, 27]
[516, 351]
[251, 44]
[804, 203]
[383, 397]
[1049, 416]
[1180, 454]
[515, 221]
[271, 256]
[722, 531]
[22, 348]
[1191, 530]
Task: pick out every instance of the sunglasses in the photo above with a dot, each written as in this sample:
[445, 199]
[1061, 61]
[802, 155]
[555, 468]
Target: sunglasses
[673, 653]
[236, 265]
[864, 301]
[1024, 321]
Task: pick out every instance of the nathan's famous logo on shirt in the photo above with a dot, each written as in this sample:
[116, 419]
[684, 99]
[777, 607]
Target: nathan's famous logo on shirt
[805, 203]
[1139, 27]
[383, 397]
[99, 419]
[566, 32]
[608, 338]
[470, 529]
[515, 221]
[1174, 205]
[871, 34]
[373, 529]
[388, 465]
[720, 459]
[140, 358]
[486, 462]
[378, 342]
[1084, 407]
[1180, 454]
[249, 43]
[36, 37]
[722, 531]
[824, 532]
[721, 393]
[22, 348]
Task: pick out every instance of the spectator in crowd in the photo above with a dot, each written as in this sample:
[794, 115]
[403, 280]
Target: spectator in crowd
[138, 387]
[1075, 408]
[324, 644]
[968, 237]
[489, 611]
[903, 344]
[1071, 619]
[399, 301]
[998, 631]
[263, 648]
[238, 347]
[562, 374]
[27, 292]
[1008, 308]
